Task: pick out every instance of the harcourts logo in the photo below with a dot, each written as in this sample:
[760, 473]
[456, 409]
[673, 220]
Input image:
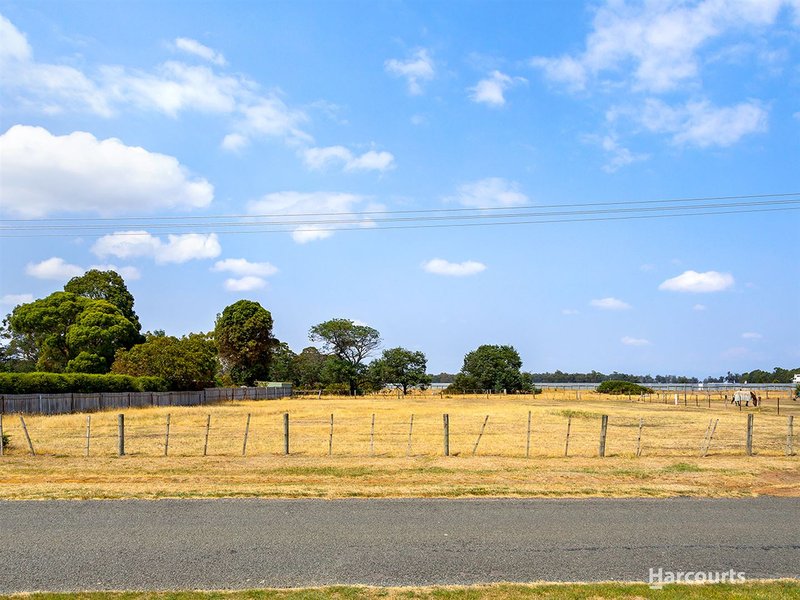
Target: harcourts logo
[659, 578]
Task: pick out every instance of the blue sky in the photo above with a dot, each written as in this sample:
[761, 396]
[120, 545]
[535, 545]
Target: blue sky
[146, 110]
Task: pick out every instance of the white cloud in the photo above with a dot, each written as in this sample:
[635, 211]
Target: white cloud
[647, 267]
[632, 341]
[610, 304]
[692, 281]
[751, 335]
[700, 307]
[234, 142]
[245, 284]
[15, 299]
[654, 46]
[127, 273]
[292, 205]
[177, 248]
[491, 90]
[243, 267]
[45, 173]
[618, 155]
[492, 192]
[569, 311]
[702, 124]
[321, 158]
[194, 47]
[54, 268]
[439, 266]
[416, 70]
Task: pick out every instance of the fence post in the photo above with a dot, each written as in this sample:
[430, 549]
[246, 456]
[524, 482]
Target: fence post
[88, 434]
[208, 428]
[639, 439]
[246, 433]
[528, 439]
[121, 435]
[790, 436]
[410, 431]
[286, 433]
[27, 437]
[166, 437]
[446, 424]
[603, 432]
[1, 434]
[749, 441]
[480, 435]
[566, 445]
[779, 406]
[330, 439]
[372, 437]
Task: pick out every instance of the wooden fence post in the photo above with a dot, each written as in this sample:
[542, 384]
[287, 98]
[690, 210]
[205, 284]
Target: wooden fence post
[121, 435]
[566, 445]
[208, 429]
[446, 425]
[478, 441]
[790, 436]
[603, 433]
[639, 439]
[779, 406]
[330, 438]
[166, 437]
[749, 441]
[88, 434]
[372, 437]
[1, 434]
[246, 433]
[286, 433]
[528, 439]
[410, 431]
[27, 437]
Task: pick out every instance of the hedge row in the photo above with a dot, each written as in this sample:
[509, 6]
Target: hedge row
[613, 386]
[64, 383]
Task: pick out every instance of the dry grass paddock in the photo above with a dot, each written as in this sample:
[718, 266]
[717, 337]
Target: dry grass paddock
[363, 464]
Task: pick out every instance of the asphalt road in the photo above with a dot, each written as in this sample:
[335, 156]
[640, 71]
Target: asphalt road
[215, 544]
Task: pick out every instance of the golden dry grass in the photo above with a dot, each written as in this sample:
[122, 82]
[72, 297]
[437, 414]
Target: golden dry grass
[670, 464]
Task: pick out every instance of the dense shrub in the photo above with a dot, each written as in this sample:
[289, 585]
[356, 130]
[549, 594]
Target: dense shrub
[622, 387]
[6, 440]
[63, 383]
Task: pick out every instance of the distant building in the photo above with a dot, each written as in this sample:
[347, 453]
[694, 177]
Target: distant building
[796, 378]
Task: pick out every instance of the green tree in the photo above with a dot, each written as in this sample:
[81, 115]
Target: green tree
[491, 367]
[349, 342]
[400, 367]
[307, 367]
[98, 331]
[243, 333]
[108, 286]
[187, 363]
[282, 366]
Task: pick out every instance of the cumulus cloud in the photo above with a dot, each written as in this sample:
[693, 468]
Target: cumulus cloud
[610, 304]
[128, 273]
[692, 281]
[55, 268]
[243, 267]
[618, 156]
[321, 158]
[141, 244]
[632, 341]
[244, 284]
[290, 204]
[699, 307]
[491, 90]
[416, 70]
[45, 174]
[492, 192]
[439, 266]
[702, 124]
[13, 300]
[194, 47]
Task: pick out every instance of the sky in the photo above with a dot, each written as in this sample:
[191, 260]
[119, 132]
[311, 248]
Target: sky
[148, 137]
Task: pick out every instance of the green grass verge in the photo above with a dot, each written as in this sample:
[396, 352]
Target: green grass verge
[760, 590]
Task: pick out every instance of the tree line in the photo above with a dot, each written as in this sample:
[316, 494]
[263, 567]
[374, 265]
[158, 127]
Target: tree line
[91, 327]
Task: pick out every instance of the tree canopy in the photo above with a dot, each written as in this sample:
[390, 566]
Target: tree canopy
[400, 367]
[243, 334]
[108, 286]
[491, 367]
[352, 344]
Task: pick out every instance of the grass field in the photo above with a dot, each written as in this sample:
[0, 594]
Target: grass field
[593, 591]
[381, 465]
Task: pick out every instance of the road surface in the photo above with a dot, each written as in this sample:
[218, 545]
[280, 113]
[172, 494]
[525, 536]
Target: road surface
[234, 544]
